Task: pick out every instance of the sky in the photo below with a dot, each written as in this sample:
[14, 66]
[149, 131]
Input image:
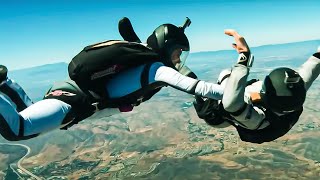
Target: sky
[37, 32]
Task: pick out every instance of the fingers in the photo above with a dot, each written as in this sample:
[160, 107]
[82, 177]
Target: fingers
[240, 43]
[231, 32]
[234, 45]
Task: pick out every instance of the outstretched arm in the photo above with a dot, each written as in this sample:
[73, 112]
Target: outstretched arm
[129, 81]
[187, 84]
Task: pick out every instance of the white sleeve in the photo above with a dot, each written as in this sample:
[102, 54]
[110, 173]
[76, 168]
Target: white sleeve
[175, 79]
[309, 71]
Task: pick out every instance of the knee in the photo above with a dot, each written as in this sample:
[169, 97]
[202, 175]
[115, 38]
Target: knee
[230, 104]
[227, 106]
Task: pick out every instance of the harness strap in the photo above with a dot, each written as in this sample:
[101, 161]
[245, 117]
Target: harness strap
[224, 77]
[144, 80]
[14, 96]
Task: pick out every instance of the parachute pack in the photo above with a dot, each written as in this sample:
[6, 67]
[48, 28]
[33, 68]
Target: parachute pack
[96, 63]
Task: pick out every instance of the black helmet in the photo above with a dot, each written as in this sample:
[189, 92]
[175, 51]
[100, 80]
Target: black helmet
[166, 38]
[3, 73]
[284, 90]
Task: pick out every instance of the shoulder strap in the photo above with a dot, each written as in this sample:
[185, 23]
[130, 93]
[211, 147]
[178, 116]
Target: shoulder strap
[14, 96]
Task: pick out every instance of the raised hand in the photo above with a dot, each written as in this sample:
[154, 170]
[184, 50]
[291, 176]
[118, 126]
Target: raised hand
[241, 46]
[240, 43]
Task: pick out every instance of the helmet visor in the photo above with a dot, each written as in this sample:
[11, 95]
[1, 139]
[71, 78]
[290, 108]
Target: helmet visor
[179, 57]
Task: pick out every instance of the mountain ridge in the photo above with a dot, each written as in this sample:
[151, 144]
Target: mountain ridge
[264, 46]
[315, 43]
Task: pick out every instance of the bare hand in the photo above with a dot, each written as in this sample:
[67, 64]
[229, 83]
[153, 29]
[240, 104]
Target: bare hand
[241, 44]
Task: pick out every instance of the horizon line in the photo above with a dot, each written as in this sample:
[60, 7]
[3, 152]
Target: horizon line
[66, 62]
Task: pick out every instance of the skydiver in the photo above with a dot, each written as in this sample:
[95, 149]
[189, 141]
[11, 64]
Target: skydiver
[261, 111]
[65, 104]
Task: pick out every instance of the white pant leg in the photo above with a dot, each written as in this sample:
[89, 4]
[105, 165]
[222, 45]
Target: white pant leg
[44, 115]
[9, 114]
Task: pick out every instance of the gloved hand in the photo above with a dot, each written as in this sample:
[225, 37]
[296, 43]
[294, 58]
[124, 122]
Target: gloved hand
[241, 46]
[210, 112]
[198, 103]
[3, 73]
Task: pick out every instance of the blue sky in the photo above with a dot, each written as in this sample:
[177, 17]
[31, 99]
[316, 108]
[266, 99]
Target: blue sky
[41, 32]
